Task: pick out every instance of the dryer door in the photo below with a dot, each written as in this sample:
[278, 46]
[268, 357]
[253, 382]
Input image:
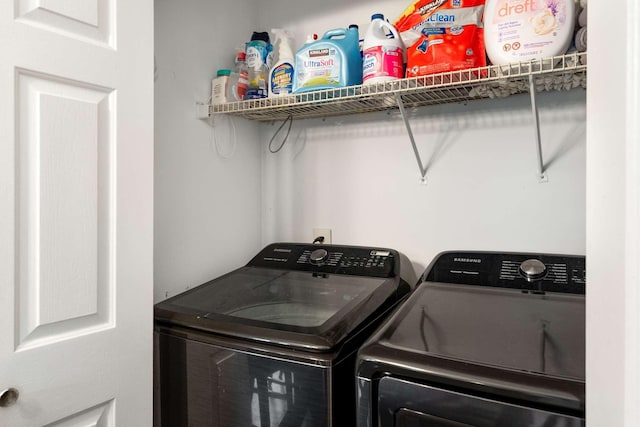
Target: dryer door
[404, 403]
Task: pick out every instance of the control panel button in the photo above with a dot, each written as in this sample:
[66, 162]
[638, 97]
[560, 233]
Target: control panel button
[318, 256]
[533, 269]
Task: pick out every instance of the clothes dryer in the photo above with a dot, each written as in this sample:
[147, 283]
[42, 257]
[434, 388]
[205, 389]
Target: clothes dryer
[486, 340]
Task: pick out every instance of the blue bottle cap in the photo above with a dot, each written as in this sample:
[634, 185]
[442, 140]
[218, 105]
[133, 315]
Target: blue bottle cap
[377, 16]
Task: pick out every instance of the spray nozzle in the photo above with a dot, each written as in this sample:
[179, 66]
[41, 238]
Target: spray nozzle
[280, 34]
[282, 41]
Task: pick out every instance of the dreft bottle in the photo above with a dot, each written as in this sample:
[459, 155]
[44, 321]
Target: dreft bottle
[257, 56]
[282, 72]
[383, 52]
[519, 31]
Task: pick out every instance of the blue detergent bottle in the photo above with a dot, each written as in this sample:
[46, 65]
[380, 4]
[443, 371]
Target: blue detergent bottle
[331, 62]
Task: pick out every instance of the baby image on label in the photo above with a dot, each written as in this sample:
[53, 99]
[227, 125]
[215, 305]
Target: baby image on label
[521, 30]
[544, 22]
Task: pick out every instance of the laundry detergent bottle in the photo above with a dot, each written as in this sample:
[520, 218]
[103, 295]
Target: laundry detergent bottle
[383, 52]
[257, 59]
[522, 30]
[331, 62]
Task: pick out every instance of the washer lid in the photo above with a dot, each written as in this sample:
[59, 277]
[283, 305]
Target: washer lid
[535, 333]
[290, 308]
[516, 311]
[489, 341]
[296, 295]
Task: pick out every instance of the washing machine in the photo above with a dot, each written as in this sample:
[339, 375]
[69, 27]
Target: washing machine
[486, 340]
[273, 343]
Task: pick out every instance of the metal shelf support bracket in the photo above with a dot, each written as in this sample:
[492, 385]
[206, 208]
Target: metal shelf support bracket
[422, 168]
[542, 174]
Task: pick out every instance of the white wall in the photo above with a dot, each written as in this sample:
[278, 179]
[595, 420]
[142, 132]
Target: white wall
[207, 207]
[306, 17]
[358, 176]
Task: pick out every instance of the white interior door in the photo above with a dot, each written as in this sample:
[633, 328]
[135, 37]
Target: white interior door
[76, 206]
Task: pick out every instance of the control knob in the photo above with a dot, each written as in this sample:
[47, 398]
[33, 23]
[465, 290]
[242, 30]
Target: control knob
[318, 255]
[533, 269]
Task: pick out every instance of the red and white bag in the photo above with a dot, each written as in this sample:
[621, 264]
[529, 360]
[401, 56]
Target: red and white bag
[442, 35]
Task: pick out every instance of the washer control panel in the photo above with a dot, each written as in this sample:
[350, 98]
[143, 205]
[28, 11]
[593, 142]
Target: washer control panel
[335, 259]
[537, 273]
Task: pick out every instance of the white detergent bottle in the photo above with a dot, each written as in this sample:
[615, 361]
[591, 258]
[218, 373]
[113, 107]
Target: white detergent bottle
[281, 73]
[382, 51]
[522, 30]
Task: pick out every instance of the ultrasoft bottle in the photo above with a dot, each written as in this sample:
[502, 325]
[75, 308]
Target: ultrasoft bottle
[331, 62]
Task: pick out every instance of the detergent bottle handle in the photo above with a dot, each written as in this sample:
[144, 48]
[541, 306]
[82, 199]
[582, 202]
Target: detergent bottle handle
[390, 28]
[338, 32]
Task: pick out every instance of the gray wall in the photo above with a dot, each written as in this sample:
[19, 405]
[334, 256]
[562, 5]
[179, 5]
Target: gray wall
[207, 204]
[358, 176]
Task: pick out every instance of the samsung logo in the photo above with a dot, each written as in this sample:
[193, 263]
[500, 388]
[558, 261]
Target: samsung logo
[282, 250]
[471, 260]
[379, 253]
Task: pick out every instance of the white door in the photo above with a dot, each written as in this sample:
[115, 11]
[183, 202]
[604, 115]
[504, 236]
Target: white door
[76, 205]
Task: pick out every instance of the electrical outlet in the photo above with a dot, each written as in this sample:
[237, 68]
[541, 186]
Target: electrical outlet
[202, 111]
[325, 232]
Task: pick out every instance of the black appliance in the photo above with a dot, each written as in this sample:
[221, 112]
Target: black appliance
[274, 343]
[486, 339]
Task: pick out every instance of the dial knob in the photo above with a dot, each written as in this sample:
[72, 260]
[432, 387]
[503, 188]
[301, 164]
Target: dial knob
[318, 255]
[533, 269]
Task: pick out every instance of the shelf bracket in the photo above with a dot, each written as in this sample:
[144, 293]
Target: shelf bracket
[542, 174]
[423, 169]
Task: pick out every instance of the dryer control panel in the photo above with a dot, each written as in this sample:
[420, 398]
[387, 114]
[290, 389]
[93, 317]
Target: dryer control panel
[329, 259]
[536, 273]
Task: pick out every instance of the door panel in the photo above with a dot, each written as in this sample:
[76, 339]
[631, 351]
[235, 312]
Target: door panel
[65, 213]
[76, 212]
[100, 416]
[89, 20]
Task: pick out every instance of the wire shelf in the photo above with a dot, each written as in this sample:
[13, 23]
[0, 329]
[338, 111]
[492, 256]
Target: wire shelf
[558, 73]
